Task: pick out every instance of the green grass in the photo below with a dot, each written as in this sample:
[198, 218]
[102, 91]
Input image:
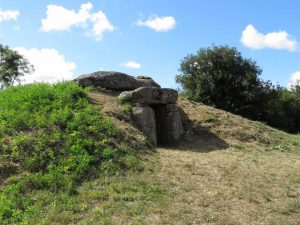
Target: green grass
[105, 200]
[52, 140]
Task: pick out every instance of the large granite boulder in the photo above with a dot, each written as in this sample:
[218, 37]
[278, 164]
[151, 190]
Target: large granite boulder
[150, 96]
[144, 118]
[115, 81]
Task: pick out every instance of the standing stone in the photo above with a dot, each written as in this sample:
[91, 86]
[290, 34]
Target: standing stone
[169, 123]
[144, 118]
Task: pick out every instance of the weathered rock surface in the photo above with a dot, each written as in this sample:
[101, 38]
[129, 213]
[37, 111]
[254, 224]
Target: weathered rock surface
[115, 81]
[150, 96]
[144, 118]
[169, 123]
[143, 81]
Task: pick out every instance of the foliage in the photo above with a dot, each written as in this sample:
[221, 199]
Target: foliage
[127, 107]
[57, 140]
[12, 66]
[284, 109]
[220, 77]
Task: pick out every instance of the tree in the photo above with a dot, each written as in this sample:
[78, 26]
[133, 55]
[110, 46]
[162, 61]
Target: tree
[220, 77]
[12, 66]
[284, 110]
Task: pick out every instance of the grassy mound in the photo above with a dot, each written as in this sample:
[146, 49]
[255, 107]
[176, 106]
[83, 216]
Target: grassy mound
[62, 149]
[214, 129]
[52, 139]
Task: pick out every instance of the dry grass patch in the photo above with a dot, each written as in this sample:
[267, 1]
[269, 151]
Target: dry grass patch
[231, 187]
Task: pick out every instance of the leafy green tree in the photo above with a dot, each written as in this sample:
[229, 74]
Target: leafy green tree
[12, 66]
[220, 77]
[284, 110]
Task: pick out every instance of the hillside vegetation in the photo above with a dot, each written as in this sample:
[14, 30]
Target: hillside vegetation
[69, 156]
[52, 140]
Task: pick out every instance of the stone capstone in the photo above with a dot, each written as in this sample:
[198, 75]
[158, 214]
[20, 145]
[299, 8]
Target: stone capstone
[150, 96]
[144, 118]
[115, 81]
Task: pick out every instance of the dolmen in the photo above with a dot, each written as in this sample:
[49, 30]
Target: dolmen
[156, 113]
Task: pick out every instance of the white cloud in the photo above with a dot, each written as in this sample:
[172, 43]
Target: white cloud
[50, 66]
[158, 23]
[132, 65]
[294, 79]
[8, 15]
[276, 40]
[62, 19]
[100, 25]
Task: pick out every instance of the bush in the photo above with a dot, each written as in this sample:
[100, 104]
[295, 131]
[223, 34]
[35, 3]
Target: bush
[284, 110]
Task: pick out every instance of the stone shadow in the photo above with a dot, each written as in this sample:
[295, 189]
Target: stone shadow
[197, 138]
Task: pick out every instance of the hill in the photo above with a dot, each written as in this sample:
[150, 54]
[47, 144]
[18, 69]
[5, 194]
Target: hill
[226, 169]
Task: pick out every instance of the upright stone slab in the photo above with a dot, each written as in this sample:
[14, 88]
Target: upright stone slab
[169, 124]
[144, 118]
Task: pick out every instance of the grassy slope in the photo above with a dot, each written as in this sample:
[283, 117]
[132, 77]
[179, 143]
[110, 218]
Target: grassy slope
[230, 170]
[227, 170]
[53, 141]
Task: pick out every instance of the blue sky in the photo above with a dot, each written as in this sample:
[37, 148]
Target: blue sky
[64, 39]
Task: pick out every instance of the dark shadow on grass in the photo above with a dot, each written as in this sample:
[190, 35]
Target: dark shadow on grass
[197, 138]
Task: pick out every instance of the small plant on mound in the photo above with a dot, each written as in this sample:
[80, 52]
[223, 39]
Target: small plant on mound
[57, 140]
